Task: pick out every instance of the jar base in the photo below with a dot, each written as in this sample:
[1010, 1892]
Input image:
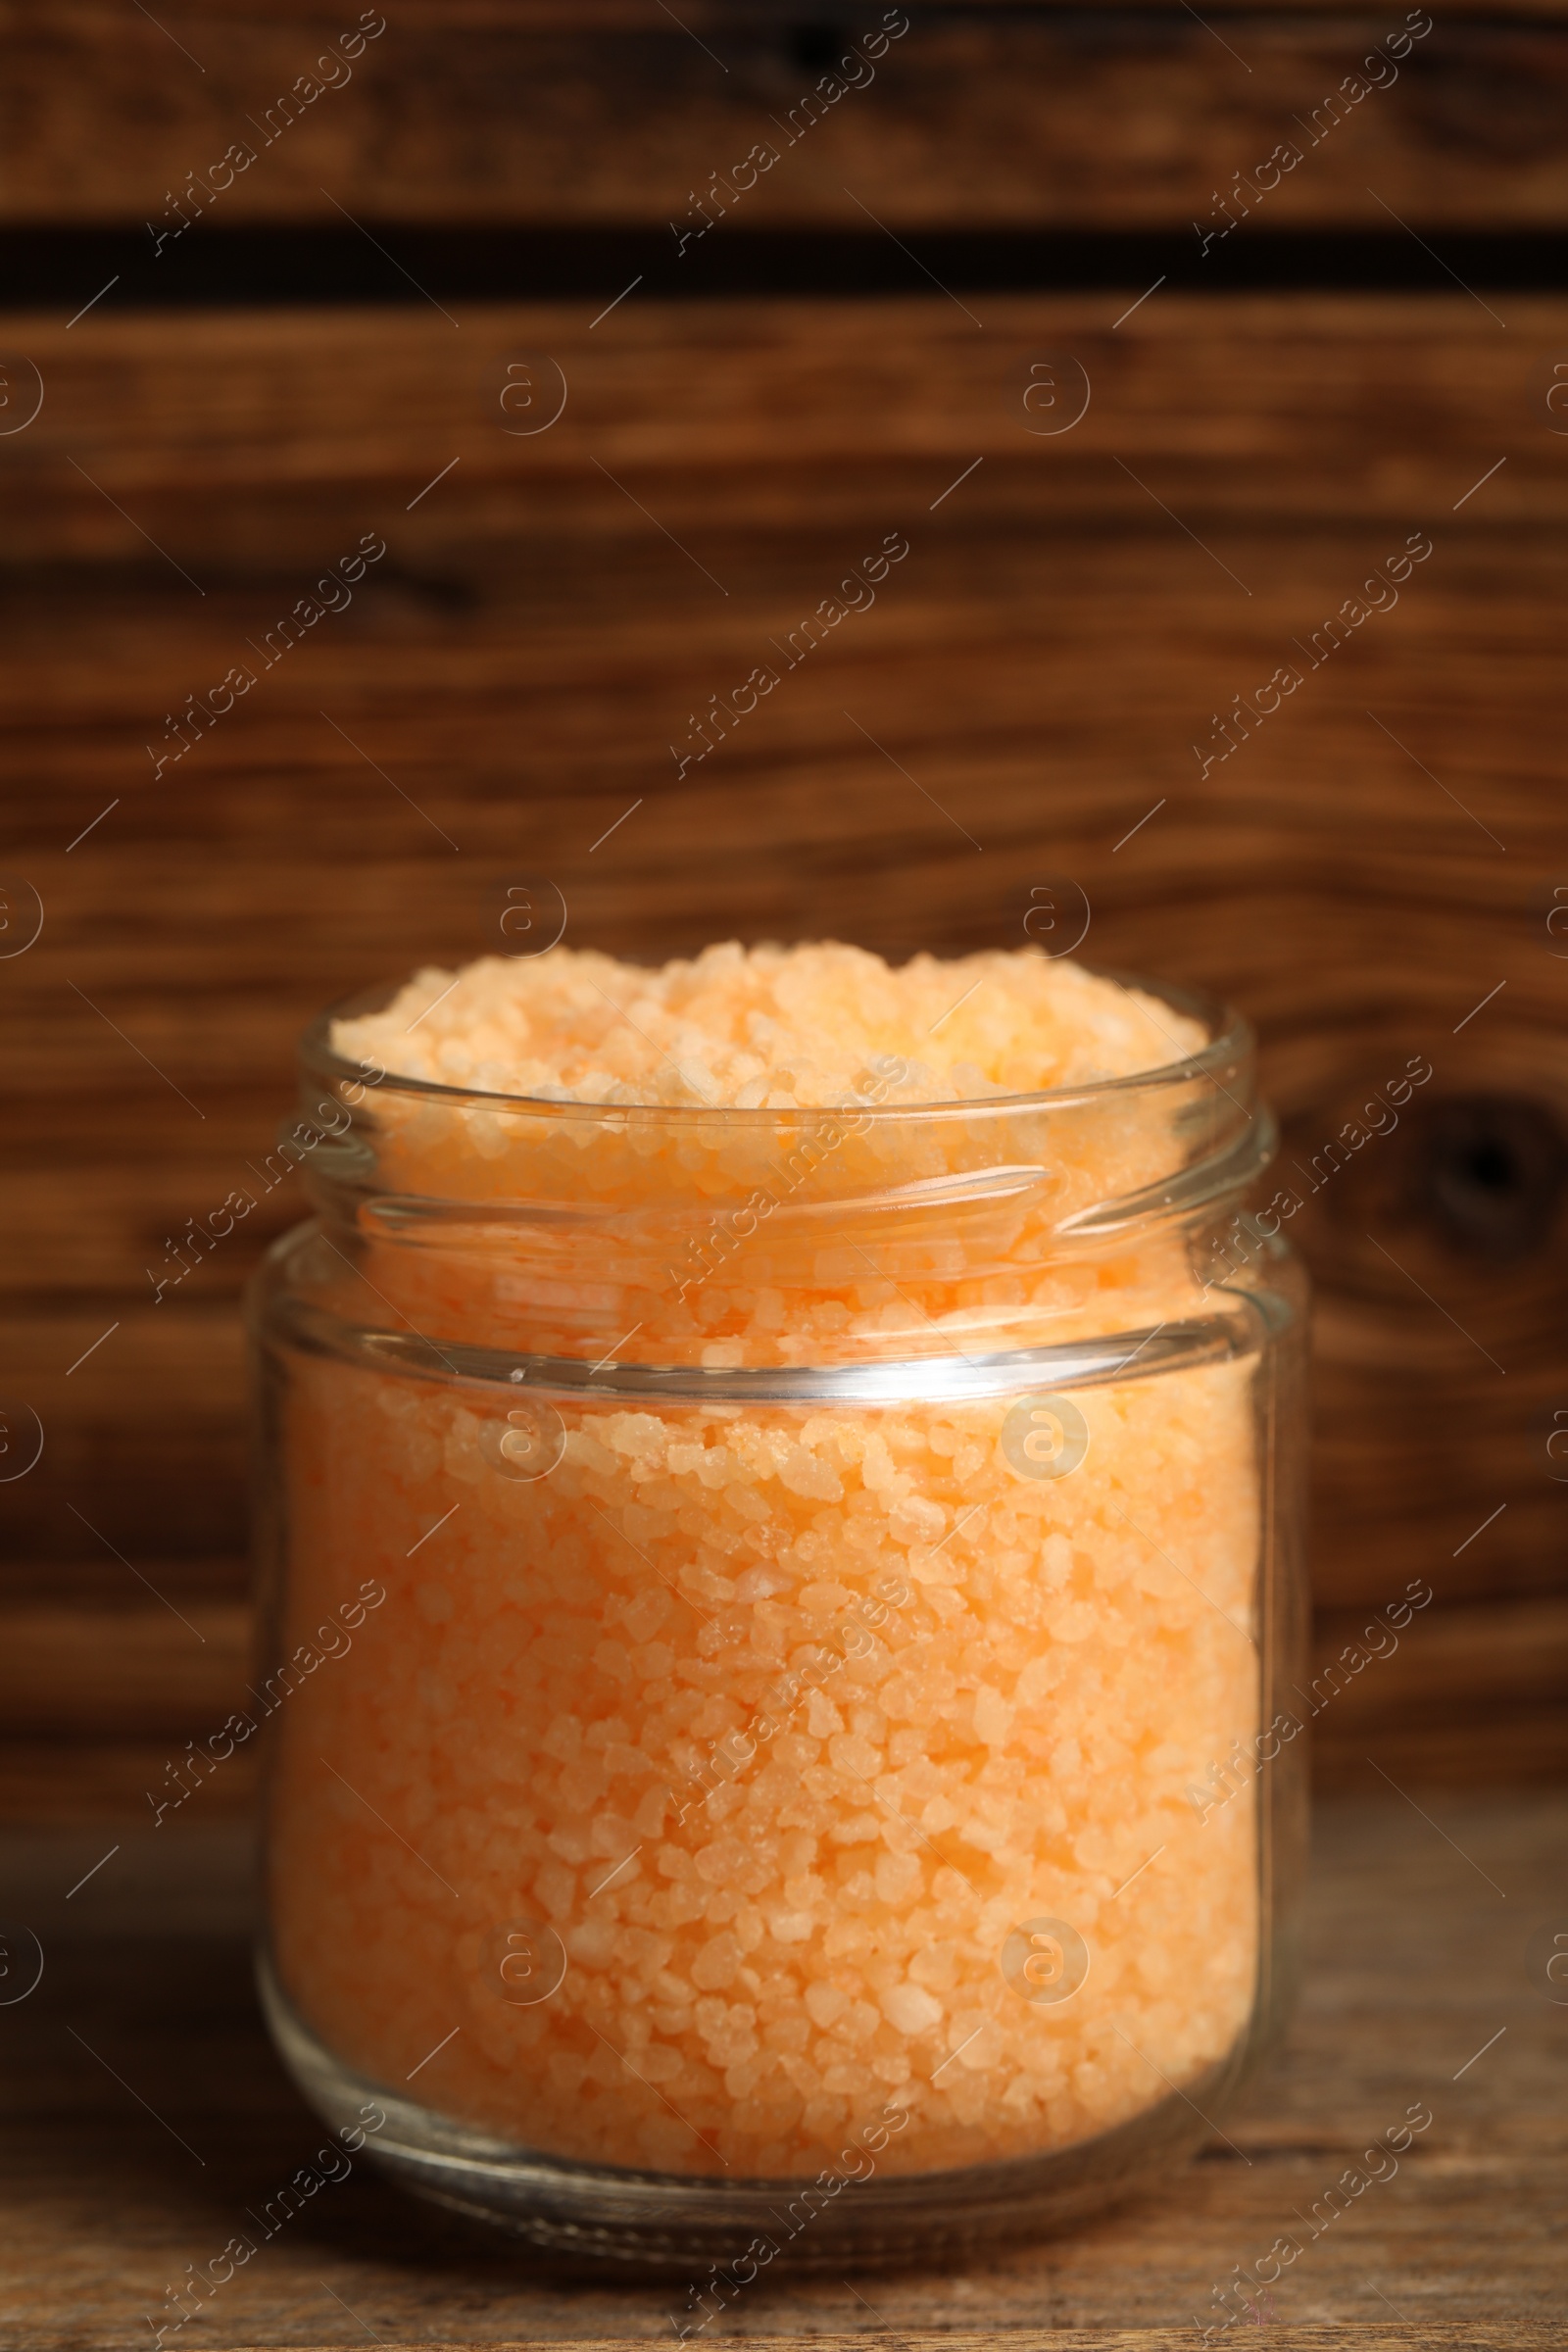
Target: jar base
[591, 2218]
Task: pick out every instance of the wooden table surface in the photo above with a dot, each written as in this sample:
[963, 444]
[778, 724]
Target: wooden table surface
[144, 2112]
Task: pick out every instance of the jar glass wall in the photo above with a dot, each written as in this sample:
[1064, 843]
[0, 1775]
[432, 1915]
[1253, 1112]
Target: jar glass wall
[776, 1643]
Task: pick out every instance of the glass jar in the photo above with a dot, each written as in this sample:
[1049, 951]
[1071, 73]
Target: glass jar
[778, 1633]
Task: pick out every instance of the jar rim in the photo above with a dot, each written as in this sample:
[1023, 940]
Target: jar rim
[1230, 1040]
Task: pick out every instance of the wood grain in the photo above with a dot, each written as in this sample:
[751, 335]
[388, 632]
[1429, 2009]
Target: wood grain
[1014, 117]
[1463, 2248]
[1497, 2337]
[108, 1672]
[774, 432]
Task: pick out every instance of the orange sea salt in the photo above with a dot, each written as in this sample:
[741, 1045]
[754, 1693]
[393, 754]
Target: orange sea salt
[765, 1028]
[777, 1722]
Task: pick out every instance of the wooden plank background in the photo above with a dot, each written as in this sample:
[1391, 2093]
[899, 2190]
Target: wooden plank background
[1371, 866]
[1017, 115]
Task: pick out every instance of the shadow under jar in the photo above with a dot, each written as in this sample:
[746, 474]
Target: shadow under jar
[779, 1628]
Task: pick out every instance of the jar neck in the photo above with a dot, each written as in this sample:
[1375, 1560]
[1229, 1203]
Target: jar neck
[858, 1235]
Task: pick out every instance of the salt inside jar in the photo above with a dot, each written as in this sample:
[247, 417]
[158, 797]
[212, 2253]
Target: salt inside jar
[813, 1452]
